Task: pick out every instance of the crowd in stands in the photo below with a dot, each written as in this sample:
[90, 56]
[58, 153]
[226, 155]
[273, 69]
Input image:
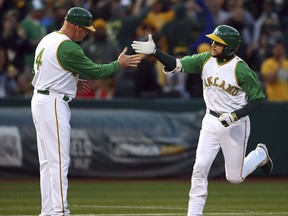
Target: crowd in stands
[178, 28]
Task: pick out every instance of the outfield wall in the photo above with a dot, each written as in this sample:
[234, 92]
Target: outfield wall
[132, 138]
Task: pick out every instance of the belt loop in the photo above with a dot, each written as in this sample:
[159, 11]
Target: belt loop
[66, 98]
[217, 115]
[44, 92]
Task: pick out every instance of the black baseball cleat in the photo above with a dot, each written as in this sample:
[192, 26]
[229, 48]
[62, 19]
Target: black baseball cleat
[267, 164]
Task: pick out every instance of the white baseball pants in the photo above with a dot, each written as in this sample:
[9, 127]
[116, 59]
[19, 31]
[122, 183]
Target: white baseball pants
[233, 142]
[51, 117]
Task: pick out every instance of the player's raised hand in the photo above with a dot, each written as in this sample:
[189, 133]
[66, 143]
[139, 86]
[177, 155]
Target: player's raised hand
[147, 47]
[228, 118]
[128, 60]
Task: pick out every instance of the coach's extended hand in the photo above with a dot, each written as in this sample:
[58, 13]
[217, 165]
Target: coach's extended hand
[147, 47]
[128, 60]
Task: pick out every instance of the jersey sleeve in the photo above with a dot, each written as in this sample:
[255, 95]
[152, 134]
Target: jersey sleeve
[195, 63]
[72, 58]
[248, 81]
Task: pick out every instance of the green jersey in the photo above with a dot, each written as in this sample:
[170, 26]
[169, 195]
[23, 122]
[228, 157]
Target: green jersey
[58, 63]
[227, 86]
[72, 58]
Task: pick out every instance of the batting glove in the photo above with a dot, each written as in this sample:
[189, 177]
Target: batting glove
[228, 118]
[147, 47]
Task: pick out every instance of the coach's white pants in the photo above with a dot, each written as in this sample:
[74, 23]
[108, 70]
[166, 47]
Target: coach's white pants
[51, 118]
[233, 142]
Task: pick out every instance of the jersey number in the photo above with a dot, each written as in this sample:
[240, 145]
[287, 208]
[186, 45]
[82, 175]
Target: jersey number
[39, 59]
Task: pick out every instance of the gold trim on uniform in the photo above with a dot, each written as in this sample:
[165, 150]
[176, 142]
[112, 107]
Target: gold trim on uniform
[244, 150]
[59, 154]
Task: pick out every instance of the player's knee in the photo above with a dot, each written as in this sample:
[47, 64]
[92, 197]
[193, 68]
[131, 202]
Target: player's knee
[234, 179]
[201, 168]
[197, 174]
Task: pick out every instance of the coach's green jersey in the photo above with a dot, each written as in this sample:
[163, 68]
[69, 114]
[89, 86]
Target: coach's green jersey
[72, 58]
[58, 63]
[227, 86]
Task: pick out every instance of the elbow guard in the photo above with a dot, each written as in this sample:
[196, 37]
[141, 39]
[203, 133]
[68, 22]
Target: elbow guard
[178, 68]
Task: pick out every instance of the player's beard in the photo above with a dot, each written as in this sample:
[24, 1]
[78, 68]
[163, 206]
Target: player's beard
[217, 55]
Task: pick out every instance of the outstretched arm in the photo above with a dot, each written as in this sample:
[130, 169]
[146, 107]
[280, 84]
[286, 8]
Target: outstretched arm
[128, 60]
[149, 48]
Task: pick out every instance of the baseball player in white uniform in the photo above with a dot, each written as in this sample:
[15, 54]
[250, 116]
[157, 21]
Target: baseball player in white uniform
[231, 91]
[57, 65]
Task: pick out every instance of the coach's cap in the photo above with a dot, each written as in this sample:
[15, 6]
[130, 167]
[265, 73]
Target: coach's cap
[80, 17]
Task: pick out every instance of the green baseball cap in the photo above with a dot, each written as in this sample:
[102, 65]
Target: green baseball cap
[80, 17]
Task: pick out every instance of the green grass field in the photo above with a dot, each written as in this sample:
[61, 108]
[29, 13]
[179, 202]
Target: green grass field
[165, 197]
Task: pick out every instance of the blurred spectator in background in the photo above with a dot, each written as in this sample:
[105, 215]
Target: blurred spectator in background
[178, 32]
[267, 30]
[54, 16]
[254, 7]
[79, 3]
[98, 47]
[129, 82]
[24, 23]
[160, 13]
[126, 17]
[163, 12]
[208, 14]
[275, 73]
[194, 81]
[102, 51]
[175, 84]
[268, 22]
[283, 8]
[242, 20]
[8, 84]
[19, 5]
[101, 9]
[12, 37]
[146, 79]
[34, 32]
[216, 9]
